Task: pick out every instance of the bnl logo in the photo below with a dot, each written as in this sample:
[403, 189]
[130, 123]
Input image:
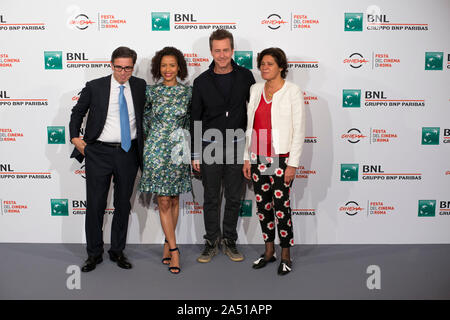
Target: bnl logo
[351, 98]
[160, 21]
[349, 171]
[53, 60]
[244, 59]
[246, 208]
[59, 207]
[56, 135]
[430, 135]
[434, 60]
[427, 208]
[353, 21]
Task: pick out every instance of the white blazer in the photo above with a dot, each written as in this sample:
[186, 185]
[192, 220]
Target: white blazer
[288, 120]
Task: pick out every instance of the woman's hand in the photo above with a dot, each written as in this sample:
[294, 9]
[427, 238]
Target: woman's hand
[246, 169]
[196, 165]
[289, 174]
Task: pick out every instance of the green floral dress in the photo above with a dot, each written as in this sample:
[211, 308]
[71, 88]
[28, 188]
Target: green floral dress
[166, 151]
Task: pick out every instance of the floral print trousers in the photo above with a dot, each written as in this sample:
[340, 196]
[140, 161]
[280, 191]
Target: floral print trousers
[272, 198]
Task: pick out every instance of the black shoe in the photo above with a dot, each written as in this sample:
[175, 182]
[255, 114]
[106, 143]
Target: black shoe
[285, 267]
[176, 269]
[262, 262]
[91, 263]
[166, 261]
[121, 260]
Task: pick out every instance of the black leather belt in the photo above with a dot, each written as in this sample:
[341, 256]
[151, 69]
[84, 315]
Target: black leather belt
[113, 144]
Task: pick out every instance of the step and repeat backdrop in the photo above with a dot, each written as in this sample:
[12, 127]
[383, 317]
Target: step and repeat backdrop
[375, 76]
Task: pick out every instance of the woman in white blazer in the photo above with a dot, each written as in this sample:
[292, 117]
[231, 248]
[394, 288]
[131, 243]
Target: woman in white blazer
[274, 143]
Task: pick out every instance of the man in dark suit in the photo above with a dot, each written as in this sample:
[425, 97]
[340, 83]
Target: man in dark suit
[112, 147]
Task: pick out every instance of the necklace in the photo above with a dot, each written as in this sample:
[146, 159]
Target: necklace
[271, 91]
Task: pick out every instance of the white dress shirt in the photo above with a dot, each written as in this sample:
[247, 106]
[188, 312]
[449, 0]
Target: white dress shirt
[111, 130]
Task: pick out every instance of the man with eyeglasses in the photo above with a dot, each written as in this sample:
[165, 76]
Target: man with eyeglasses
[112, 148]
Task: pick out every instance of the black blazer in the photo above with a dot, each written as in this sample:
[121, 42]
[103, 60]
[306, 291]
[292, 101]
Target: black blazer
[95, 99]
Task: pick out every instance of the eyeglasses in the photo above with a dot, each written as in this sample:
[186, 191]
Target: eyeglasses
[120, 68]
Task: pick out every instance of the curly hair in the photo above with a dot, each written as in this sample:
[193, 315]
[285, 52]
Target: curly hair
[169, 51]
[278, 55]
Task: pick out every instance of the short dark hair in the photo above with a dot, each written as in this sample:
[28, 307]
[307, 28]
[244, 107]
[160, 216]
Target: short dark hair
[221, 34]
[169, 51]
[124, 52]
[278, 55]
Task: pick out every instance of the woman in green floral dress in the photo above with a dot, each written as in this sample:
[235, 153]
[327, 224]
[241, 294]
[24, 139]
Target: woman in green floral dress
[166, 170]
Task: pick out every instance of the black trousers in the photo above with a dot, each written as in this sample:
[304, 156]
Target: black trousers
[213, 175]
[103, 163]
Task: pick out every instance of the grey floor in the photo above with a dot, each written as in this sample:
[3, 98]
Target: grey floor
[39, 271]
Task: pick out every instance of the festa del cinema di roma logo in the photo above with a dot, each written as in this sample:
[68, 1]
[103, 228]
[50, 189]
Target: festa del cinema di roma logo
[351, 208]
[383, 60]
[105, 21]
[356, 60]
[377, 135]
[81, 22]
[192, 207]
[273, 21]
